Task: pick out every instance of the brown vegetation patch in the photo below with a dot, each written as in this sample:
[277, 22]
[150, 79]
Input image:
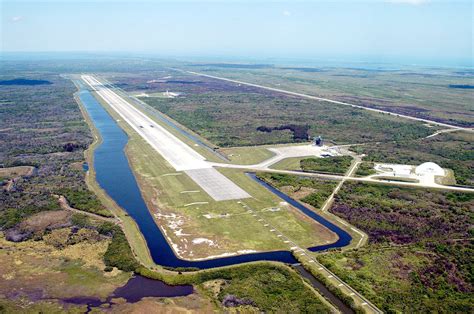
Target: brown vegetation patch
[48, 220]
[16, 171]
[302, 192]
[193, 303]
[36, 270]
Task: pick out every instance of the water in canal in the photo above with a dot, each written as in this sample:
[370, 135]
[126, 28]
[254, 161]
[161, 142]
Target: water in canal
[115, 176]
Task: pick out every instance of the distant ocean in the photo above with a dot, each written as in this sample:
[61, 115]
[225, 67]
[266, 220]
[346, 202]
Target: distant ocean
[364, 62]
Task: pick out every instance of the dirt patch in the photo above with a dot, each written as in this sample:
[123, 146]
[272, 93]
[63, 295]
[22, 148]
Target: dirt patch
[302, 192]
[16, 171]
[46, 220]
[37, 224]
[193, 303]
[77, 165]
[13, 174]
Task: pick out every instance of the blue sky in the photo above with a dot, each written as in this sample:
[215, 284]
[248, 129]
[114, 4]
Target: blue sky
[410, 29]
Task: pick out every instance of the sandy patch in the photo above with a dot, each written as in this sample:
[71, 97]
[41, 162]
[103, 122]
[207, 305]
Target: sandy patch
[204, 241]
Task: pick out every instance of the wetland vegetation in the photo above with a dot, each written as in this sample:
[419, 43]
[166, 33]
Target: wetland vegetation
[337, 164]
[440, 94]
[419, 256]
[420, 253]
[93, 257]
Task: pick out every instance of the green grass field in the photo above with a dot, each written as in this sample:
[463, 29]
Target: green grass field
[292, 163]
[246, 276]
[186, 213]
[173, 195]
[246, 155]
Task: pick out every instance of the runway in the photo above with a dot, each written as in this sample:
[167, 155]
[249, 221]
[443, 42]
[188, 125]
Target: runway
[179, 155]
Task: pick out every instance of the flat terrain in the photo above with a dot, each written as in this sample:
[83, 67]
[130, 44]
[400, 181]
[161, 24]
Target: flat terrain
[41, 128]
[246, 155]
[336, 165]
[430, 93]
[312, 191]
[18, 171]
[199, 227]
[179, 155]
[419, 253]
[37, 275]
[453, 151]
[215, 110]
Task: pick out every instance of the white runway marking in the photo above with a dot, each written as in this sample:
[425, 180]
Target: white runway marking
[219, 187]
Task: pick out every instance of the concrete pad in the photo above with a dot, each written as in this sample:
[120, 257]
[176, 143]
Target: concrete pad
[218, 186]
[300, 150]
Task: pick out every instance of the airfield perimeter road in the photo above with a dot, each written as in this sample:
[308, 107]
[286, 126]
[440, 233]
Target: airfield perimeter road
[351, 178]
[179, 155]
[329, 100]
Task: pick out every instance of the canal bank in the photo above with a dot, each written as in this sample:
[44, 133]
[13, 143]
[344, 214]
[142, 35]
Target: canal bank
[108, 174]
[111, 166]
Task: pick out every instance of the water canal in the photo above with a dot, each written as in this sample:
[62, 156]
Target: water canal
[114, 175]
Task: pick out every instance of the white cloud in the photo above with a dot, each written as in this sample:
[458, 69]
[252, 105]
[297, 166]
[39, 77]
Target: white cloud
[16, 19]
[286, 13]
[411, 2]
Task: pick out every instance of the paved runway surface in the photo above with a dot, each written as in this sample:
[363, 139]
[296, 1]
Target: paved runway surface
[179, 155]
[219, 187]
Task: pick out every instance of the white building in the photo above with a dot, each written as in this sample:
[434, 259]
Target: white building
[429, 168]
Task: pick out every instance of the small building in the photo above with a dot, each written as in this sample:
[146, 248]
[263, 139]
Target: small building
[318, 141]
[169, 94]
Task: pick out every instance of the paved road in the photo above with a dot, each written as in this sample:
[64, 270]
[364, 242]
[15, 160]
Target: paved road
[302, 254]
[339, 177]
[441, 132]
[331, 101]
[283, 152]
